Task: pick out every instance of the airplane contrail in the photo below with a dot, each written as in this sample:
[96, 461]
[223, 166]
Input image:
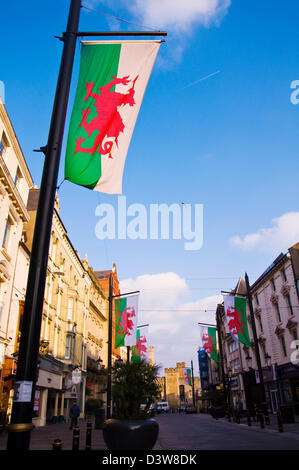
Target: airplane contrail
[201, 79]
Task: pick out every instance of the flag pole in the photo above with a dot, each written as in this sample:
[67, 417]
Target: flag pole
[257, 354]
[110, 320]
[21, 418]
[219, 311]
[109, 364]
[192, 374]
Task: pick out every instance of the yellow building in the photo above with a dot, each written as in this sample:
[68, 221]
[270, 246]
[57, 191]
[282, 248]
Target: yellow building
[15, 182]
[74, 325]
[97, 339]
[177, 393]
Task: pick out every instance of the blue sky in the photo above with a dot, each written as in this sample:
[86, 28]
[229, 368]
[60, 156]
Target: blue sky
[229, 142]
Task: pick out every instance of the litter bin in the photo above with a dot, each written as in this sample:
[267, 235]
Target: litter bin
[287, 414]
[99, 418]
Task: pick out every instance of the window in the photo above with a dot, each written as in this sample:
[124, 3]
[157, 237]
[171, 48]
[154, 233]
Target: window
[263, 346]
[273, 284]
[283, 345]
[289, 304]
[18, 177]
[3, 145]
[1, 298]
[68, 346]
[233, 346]
[278, 312]
[55, 341]
[7, 234]
[260, 323]
[70, 308]
[235, 365]
[284, 276]
[256, 299]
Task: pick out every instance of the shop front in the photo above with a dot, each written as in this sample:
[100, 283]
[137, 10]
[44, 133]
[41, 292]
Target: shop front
[288, 376]
[49, 396]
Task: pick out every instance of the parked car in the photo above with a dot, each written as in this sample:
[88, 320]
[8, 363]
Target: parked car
[162, 407]
[151, 409]
[190, 409]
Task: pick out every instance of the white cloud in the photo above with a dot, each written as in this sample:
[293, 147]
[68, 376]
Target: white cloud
[173, 321]
[179, 15]
[176, 15]
[281, 236]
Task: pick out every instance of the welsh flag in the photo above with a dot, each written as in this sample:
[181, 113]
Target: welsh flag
[141, 348]
[112, 81]
[209, 342]
[188, 376]
[235, 311]
[126, 315]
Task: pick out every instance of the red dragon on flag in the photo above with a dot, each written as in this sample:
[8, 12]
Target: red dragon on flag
[234, 320]
[125, 324]
[108, 121]
[141, 348]
[208, 345]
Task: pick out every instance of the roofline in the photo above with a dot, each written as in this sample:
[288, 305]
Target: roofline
[280, 258]
[7, 121]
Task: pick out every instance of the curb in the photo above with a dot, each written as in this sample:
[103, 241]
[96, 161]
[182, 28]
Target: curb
[286, 434]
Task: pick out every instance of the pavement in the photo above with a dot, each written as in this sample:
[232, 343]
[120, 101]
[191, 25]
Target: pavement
[180, 432]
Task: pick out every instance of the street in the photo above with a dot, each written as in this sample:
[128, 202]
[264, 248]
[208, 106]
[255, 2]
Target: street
[179, 432]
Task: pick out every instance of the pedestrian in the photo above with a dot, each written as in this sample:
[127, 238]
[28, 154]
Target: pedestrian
[74, 414]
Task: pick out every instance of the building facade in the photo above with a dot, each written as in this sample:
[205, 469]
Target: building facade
[275, 298]
[176, 391]
[97, 342]
[15, 182]
[276, 309]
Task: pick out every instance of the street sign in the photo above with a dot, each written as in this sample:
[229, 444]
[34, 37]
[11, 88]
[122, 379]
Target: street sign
[76, 376]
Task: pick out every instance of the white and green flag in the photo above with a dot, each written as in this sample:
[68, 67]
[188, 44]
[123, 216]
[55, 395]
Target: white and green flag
[208, 341]
[126, 317]
[141, 349]
[235, 311]
[187, 375]
[112, 81]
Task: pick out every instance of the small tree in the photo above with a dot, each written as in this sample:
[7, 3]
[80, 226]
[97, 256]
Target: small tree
[133, 384]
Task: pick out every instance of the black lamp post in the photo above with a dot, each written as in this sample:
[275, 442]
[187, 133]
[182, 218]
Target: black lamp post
[109, 379]
[264, 406]
[249, 362]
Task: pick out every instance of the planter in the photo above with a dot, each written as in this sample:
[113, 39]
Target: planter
[99, 418]
[122, 434]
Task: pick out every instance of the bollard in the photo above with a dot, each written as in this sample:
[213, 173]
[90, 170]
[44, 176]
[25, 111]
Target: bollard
[248, 418]
[228, 414]
[261, 419]
[76, 436]
[88, 436]
[267, 418]
[279, 421]
[237, 417]
[57, 445]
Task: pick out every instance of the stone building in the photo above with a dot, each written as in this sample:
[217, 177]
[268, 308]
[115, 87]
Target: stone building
[103, 280]
[176, 391]
[97, 337]
[275, 298]
[15, 182]
[64, 333]
[276, 309]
